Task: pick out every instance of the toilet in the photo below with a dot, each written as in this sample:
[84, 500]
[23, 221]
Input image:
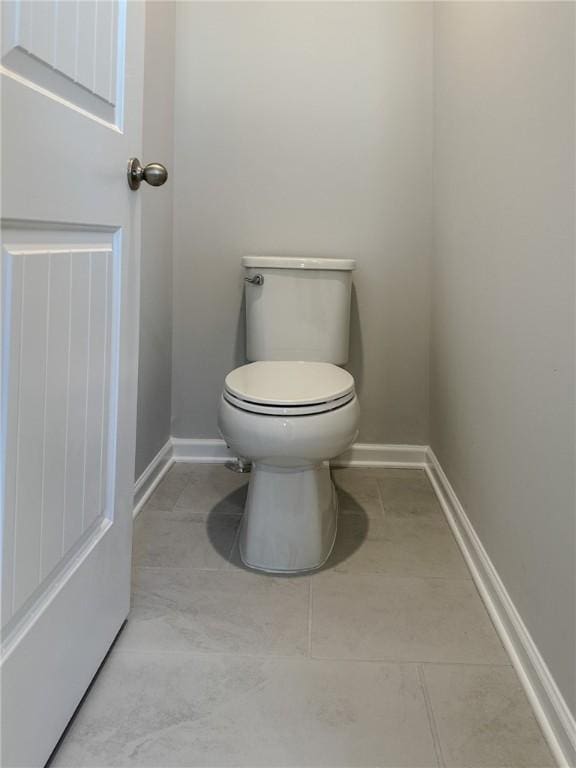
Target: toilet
[292, 408]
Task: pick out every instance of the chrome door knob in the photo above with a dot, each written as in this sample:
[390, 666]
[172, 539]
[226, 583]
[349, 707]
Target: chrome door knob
[154, 174]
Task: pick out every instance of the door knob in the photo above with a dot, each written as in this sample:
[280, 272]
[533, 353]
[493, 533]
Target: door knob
[154, 174]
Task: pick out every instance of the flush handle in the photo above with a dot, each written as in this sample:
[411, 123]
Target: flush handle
[256, 279]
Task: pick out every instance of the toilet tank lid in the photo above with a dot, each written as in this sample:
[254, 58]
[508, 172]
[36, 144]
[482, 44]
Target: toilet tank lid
[299, 262]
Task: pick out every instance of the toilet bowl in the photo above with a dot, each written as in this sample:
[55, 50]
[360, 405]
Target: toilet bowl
[289, 418]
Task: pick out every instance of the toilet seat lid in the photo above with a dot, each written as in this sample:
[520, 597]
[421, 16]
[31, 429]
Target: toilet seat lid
[289, 383]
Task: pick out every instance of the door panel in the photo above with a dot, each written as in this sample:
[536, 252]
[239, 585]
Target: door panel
[71, 118]
[61, 334]
[70, 48]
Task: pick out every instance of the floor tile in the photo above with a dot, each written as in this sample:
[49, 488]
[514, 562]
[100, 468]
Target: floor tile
[222, 612]
[166, 494]
[180, 539]
[398, 546]
[370, 616]
[483, 718]
[212, 668]
[379, 473]
[357, 493]
[212, 488]
[410, 495]
[180, 710]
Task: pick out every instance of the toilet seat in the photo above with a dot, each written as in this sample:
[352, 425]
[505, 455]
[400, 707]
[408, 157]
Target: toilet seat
[283, 410]
[288, 388]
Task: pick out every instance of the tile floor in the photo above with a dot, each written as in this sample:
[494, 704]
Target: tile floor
[386, 657]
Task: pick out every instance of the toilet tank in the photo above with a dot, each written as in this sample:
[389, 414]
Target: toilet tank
[301, 311]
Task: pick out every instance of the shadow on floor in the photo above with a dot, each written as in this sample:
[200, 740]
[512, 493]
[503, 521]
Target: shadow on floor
[344, 547]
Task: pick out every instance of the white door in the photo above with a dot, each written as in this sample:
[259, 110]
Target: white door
[71, 117]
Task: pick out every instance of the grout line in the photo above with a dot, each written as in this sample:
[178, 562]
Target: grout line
[310, 593]
[301, 657]
[206, 513]
[392, 576]
[189, 481]
[231, 567]
[428, 662]
[407, 576]
[296, 656]
[431, 719]
[307, 574]
[186, 568]
[193, 513]
[380, 501]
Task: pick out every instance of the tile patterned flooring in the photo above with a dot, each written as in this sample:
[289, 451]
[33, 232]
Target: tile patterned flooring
[386, 657]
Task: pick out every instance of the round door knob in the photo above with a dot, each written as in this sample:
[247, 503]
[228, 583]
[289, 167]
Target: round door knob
[154, 174]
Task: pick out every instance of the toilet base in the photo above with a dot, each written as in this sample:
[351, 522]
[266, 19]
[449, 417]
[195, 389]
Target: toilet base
[290, 518]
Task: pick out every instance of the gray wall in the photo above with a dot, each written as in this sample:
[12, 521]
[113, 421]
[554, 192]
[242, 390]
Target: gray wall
[304, 128]
[502, 348]
[155, 366]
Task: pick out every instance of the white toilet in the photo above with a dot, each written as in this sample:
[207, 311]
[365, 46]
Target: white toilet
[293, 409]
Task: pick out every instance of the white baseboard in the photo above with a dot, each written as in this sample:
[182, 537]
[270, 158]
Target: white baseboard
[149, 479]
[548, 704]
[202, 451]
[359, 455]
[381, 455]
